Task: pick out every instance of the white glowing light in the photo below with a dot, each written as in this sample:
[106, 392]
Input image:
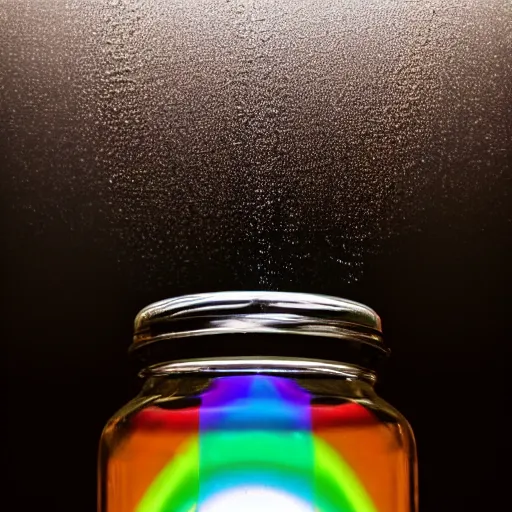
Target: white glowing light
[254, 499]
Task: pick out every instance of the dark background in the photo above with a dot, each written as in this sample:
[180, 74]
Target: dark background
[154, 148]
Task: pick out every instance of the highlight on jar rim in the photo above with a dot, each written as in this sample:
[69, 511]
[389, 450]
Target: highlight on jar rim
[258, 323]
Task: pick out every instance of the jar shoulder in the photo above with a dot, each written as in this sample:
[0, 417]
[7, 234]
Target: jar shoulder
[191, 403]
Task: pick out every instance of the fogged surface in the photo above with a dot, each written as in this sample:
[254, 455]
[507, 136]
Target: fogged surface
[235, 144]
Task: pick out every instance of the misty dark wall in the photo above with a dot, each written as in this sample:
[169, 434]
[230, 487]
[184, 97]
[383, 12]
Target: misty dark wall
[154, 148]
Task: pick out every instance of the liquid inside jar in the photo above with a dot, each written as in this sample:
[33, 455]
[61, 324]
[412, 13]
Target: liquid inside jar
[256, 443]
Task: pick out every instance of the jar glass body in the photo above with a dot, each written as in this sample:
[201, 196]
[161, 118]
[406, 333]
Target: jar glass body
[267, 437]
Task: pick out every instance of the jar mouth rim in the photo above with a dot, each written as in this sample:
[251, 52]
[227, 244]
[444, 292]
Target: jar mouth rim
[257, 313]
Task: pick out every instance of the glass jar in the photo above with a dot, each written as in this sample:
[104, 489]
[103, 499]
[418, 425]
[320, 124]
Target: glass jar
[258, 402]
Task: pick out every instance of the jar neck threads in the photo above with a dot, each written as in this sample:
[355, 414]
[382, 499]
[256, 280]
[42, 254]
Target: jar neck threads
[262, 365]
